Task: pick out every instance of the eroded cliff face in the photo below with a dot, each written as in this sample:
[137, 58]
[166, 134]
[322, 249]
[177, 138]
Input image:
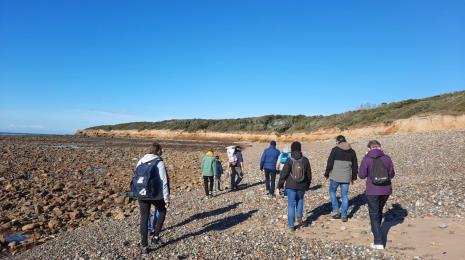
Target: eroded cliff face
[425, 123]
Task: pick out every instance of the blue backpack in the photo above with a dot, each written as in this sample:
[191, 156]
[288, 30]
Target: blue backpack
[284, 158]
[145, 184]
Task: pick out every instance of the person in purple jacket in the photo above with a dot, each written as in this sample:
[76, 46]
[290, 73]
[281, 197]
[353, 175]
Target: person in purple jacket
[376, 195]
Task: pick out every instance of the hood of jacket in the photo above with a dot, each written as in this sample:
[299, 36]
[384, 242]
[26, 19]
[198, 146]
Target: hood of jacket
[296, 155]
[147, 158]
[345, 146]
[375, 153]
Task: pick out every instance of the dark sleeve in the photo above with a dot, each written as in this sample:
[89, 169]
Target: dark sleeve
[309, 173]
[354, 166]
[330, 163]
[284, 174]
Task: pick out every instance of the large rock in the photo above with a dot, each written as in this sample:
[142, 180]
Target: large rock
[53, 224]
[29, 227]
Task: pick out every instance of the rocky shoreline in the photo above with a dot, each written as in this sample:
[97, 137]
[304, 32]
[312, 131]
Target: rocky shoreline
[52, 184]
[247, 224]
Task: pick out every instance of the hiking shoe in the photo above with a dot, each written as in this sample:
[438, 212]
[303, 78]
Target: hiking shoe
[292, 229]
[336, 216]
[145, 250]
[156, 240]
[377, 247]
[210, 196]
[299, 222]
[344, 219]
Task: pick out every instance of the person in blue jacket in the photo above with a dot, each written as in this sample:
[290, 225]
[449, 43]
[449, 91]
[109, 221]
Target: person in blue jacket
[268, 165]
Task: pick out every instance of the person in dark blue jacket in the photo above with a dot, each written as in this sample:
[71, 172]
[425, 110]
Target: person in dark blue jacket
[268, 165]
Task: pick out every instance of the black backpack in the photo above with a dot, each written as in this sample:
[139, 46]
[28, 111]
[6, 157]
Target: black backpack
[379, 173]
[297, 171]
[145, 184]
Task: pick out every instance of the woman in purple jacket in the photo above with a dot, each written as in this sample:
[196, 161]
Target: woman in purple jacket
[376, 195]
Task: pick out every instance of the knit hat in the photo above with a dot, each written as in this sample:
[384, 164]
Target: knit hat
[296, 147]
[210, 153]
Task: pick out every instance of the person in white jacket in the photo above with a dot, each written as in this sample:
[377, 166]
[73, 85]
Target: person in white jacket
[161, 201]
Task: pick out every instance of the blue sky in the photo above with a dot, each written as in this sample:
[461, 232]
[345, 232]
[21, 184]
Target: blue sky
[66, 65]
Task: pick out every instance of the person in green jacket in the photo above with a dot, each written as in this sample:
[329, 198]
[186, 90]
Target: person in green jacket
[208, 171]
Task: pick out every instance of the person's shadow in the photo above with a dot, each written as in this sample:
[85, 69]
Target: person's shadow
[393, 217]
[217, 225]
[356, 203]
[206, 214]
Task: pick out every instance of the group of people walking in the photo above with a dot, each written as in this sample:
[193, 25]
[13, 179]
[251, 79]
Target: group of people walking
[295, 177]
[150, 183]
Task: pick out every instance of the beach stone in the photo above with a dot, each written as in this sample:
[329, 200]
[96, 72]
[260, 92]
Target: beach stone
[29, 227]
[53, 224]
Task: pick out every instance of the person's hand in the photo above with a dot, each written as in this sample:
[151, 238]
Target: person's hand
[167, 205]
[326, 178]
[352, 182]
[281, 190]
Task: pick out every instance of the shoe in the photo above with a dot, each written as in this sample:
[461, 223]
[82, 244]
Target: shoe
[269, 196]
[344, 219]
[210, 196]
[156, 240]
[336, 216]
[299, 222]
[145, 250]
[292, 229]
[377, 247]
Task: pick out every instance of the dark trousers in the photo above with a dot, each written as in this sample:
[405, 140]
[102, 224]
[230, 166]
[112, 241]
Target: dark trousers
[375, 209]
[208, 184]
[236, 177]
[144, 206]
[270, 179]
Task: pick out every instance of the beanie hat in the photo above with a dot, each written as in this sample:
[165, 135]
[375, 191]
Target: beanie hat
[296, 147]
[210, 153]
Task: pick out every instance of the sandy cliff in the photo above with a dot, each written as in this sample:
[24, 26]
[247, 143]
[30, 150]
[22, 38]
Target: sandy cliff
[426, 123]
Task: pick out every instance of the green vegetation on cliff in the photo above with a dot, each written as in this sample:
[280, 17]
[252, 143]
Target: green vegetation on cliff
[451, 103]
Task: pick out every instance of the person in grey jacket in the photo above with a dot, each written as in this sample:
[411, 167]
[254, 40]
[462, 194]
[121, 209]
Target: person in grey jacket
[341, 169]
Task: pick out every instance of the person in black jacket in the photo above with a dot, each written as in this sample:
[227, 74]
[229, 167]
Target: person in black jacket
[297, 175]
[341, 169]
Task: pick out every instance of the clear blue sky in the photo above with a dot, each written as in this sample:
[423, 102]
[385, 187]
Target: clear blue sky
[66, 65]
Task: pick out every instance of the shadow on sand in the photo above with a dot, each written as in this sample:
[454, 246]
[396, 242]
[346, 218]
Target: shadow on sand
[217, 225]
[206, 214]
[393, 217]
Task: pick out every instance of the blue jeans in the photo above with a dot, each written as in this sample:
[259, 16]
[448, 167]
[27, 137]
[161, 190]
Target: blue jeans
[344, 197]
[295, 201]
[154, 218]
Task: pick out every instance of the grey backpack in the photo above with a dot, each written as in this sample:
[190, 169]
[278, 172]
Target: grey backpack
[297, 171]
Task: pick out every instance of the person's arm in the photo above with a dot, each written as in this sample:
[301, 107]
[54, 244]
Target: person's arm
[363, 171]
[262, 160]
[284, 174]
[278, 164]
[330, 163]
[309, 174]
[354, 167]
[391, 171]
[165, 182]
